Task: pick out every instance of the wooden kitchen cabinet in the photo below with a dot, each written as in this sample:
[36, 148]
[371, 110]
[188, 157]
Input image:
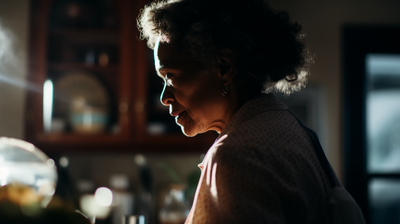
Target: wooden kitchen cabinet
[92, 85]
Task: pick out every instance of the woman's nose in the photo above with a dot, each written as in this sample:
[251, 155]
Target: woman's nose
[167, 97]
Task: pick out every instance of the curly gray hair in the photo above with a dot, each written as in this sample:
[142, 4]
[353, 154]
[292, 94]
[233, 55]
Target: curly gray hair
[267, 46]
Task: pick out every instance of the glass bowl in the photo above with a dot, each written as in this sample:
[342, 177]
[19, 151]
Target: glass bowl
[26, 174]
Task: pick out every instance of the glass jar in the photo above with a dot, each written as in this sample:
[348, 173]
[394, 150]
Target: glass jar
[175, 208]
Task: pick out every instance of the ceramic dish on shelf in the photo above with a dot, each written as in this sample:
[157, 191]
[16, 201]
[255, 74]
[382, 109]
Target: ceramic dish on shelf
[83, 101]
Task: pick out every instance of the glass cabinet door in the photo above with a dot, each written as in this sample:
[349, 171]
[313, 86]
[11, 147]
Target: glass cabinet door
[81, 86]
[83, 67]
[383, 136]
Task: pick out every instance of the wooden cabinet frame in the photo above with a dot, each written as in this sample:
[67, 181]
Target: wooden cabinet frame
[132, 94]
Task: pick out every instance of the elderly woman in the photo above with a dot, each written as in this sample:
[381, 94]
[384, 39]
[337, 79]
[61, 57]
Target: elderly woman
[220, 60]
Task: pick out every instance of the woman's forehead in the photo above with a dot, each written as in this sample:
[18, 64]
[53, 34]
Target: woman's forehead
[168, 56]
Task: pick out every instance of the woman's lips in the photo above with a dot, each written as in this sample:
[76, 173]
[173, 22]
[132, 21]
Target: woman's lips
[176, 113]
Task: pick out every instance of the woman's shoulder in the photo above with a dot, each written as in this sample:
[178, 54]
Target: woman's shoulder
[271, 137]
[267, 127]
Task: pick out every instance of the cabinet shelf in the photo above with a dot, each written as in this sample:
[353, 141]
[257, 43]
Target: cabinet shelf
[82, 36]
[65, 66]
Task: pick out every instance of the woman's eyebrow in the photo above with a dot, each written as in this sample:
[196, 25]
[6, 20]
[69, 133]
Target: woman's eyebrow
[165, 70]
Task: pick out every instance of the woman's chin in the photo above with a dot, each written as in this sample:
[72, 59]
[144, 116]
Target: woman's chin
[188, 132]
[187, 125]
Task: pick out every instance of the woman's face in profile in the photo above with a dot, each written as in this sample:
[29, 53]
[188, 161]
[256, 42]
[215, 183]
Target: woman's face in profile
[192, 94]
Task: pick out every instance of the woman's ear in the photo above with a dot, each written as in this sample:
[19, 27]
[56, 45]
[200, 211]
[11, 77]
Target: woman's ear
[226, 64]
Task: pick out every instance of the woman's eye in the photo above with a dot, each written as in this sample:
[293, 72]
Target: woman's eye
[167, 80]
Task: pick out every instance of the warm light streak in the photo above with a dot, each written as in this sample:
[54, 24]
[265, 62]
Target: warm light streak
[47, 104]
[9, 62]
[18, 83]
